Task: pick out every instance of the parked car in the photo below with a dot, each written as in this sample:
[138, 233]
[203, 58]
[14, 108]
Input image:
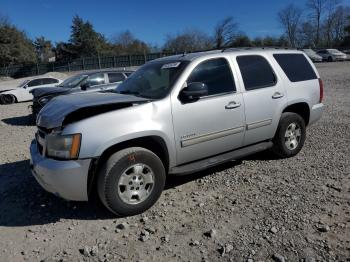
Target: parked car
[347, 52]
[175, 115]
[331, 55]
[313, 55]
[22, 92]
[84, 82]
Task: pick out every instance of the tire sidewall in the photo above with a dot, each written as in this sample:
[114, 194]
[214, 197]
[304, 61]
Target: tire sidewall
[111, 178]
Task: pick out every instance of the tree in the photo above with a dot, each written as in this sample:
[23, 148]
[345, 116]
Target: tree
[225, 32]
[188, 41]
[317, 8]
[346, 41]
[43, 48]
[307, 35]
[15, 46]
[241, 41]
[85, 40]
[126, 43]
[289, 18]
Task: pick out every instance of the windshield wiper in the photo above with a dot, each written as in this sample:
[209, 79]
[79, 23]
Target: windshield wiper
[128, 92]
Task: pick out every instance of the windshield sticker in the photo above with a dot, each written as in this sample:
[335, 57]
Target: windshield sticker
[171, 65]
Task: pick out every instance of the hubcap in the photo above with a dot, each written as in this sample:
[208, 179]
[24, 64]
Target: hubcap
[292, 136]
[136, 184]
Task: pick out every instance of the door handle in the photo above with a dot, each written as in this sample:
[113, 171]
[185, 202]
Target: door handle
[232, 105]
[277, 95]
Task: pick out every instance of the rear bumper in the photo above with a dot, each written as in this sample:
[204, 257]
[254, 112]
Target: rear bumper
[316, 113]
[66, 179]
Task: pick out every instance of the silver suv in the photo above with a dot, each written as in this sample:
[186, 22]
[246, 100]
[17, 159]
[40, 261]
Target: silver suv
[175, 115]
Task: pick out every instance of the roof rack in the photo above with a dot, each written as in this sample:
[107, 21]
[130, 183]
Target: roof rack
[256, 48]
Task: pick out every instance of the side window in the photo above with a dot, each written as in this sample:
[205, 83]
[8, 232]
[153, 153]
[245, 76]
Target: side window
[296, 67]
[97, 79]
[216, 74]
[48, 81]
[256, 72]
[115, 77]
[35, 82]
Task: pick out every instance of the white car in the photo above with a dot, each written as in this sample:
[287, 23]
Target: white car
[331, 55]
[22, 92]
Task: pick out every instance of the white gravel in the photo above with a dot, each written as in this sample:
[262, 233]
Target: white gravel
[260, 208]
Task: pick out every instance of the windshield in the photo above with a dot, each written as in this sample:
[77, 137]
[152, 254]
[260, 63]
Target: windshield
[23, 83]
[153, 80]
[309, 51]
[73, 81]
[333, 51]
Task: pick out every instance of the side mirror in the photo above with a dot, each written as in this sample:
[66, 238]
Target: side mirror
[194, 91]
[84, 86]
[25, 87]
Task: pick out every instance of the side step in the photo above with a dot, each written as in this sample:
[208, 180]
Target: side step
[219, 159]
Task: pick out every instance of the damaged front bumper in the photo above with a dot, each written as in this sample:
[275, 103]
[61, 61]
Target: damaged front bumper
[66, 179]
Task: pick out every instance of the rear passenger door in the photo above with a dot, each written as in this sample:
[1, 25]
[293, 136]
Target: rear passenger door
[264, 97]
[214, 123]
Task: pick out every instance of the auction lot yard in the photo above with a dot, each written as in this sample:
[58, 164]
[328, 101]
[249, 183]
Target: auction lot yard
[257, 209]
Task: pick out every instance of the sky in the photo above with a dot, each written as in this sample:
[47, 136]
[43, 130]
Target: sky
[149, 20]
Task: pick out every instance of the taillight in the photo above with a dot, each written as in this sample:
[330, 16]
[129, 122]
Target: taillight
[321, 89]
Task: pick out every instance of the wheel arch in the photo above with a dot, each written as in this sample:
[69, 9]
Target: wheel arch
[156, 144]
[300, 108]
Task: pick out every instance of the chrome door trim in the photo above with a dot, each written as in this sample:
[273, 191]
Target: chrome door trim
[210, 136]
[258, 124]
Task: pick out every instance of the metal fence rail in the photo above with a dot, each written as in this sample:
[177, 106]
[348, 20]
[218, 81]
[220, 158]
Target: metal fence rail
[87, 63]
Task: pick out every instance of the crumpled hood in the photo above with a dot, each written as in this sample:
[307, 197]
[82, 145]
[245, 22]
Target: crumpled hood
[83, 105]
[44, 91]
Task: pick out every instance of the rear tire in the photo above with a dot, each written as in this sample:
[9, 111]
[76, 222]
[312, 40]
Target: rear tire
[290, 136]
[8, 99]
[131, 181]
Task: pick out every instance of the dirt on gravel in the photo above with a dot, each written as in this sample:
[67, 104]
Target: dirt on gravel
[256, 209]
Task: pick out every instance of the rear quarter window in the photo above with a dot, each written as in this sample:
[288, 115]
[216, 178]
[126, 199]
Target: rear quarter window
[296, 67]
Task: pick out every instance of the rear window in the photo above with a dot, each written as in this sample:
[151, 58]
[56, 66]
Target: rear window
[296, 67]
[256, 72]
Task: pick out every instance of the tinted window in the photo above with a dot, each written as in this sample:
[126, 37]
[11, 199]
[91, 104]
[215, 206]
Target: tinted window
[97, 79]
[296, 67]
[256, 72]
[216, 74]
[115, 77]
[47, 81]
[35, 82]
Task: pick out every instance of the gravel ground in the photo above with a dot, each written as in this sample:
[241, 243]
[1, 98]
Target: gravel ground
[257, 209]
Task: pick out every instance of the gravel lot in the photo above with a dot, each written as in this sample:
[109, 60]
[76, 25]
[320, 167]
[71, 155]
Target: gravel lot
[257, 209]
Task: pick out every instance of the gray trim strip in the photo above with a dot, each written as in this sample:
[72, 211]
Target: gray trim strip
[211, 136]
[258, 124]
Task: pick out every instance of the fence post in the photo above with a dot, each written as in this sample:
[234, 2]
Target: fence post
[68, 67]
[37, 69]
[130, 60]
[114, 61]
[53, 67]
[145, 57]
[83, 63]
[99, 62]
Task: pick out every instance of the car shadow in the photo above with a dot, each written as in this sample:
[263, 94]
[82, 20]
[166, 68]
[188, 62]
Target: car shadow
[20, 121]
[25, 203]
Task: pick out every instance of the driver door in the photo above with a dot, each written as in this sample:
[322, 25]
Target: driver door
[213, 124]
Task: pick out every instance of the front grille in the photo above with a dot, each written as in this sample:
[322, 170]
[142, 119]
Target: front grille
[40, 139]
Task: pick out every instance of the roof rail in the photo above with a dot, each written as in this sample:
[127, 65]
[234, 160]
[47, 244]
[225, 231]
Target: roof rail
[257, 48]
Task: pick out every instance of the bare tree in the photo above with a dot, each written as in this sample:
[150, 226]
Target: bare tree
[225, 32]
[188, 41]
[317, 8]
[289, 18]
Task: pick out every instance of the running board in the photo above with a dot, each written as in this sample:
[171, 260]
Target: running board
[219, 159]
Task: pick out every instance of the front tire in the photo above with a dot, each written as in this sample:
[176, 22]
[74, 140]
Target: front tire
[8, 99]
[330, 59]
[290, 136]
[131, 181]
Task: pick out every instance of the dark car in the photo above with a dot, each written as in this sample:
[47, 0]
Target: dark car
[84, 82]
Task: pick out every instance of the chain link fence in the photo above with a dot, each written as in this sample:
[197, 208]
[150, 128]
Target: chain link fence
[88, 63]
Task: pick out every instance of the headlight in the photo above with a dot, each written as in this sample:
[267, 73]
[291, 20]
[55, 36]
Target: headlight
[63, 147]
[44, 100]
